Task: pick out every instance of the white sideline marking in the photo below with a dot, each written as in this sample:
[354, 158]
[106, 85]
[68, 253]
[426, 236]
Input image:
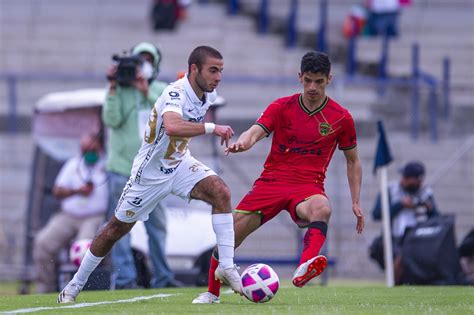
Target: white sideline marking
[81, 305]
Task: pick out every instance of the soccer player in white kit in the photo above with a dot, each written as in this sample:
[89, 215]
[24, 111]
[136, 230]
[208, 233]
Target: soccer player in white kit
[165, 166]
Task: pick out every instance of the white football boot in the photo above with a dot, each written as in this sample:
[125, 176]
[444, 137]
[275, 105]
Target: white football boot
[308, 270]
[69, 293]
[229, 276]
[207, 298]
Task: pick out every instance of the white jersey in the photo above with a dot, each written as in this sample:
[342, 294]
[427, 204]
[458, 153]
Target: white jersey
[160, 154]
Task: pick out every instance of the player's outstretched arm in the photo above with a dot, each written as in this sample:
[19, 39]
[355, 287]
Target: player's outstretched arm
[354, 177]
[177, 127]
[246, 140]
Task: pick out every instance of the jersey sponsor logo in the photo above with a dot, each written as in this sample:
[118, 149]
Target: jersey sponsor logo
[298, 150]
[173, 94]
[324, 129]
[129, 213]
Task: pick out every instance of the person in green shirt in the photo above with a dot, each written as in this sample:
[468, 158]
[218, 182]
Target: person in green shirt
[125, 113]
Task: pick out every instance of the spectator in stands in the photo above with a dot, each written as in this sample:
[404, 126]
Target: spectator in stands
[81, 188]
[410, 203]
[125, 113]
[165, 14]
[382, 17]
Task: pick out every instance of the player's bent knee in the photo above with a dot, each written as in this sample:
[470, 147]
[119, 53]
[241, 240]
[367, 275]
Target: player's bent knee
[115, 229]
[326, 212]
[223, 193]
[220, 192]
[321, 213]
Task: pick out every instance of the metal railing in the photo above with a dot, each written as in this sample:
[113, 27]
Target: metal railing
[291, 33]
[419, 79]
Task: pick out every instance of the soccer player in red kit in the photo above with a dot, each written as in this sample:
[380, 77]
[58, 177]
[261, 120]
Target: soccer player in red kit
[307, 128]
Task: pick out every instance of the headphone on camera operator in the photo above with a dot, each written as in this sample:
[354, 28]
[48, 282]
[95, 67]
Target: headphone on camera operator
[127, 66]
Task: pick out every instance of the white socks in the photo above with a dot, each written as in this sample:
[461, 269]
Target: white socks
[88, 265]
[223, 225]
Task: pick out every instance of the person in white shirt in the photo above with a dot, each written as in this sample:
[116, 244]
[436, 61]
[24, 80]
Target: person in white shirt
[81, 188]
[164, 165]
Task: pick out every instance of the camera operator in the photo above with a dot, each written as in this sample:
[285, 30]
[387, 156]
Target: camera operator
[133, 90]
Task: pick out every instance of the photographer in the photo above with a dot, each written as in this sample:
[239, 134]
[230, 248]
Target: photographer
[133, 90]
[410, 203]
[81, 188]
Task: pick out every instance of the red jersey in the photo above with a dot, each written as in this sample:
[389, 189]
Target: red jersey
[303, 140]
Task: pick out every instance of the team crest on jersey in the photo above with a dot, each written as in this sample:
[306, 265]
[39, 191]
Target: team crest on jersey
[324, 128]
[129, 213]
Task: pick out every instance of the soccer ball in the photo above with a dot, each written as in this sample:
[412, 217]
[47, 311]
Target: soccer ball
[259, 283]
[78, 250]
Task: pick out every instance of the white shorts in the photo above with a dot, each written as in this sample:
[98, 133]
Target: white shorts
[137, 200]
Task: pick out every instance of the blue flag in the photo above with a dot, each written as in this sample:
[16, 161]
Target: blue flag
[382, 155]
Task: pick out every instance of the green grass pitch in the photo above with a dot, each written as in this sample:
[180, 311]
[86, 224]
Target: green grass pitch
[289, 300]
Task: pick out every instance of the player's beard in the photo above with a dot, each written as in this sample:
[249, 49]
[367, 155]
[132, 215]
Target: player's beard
[201, 83]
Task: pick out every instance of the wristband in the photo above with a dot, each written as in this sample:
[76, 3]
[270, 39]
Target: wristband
[209, 127]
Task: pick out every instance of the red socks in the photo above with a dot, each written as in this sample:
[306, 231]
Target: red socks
[313, 240]
[213, 285]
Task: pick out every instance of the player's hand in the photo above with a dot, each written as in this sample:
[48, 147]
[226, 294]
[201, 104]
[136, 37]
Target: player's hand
[225, 132]
[235, 147]
[407, 202]
[360, 218]
[85, 190]
[141, 83]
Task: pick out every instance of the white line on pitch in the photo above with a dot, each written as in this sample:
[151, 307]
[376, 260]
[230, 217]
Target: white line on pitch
[81, 305]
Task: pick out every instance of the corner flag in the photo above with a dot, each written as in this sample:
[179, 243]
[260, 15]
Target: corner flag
[382, 159]
[382, 155]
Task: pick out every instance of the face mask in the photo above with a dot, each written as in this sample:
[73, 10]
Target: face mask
[147, 70]
[91, 157]
[412, 188]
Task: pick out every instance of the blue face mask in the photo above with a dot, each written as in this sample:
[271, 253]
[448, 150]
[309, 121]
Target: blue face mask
[91, 157]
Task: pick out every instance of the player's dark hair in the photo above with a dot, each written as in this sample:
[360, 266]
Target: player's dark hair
[199, 54]
[316, 62]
